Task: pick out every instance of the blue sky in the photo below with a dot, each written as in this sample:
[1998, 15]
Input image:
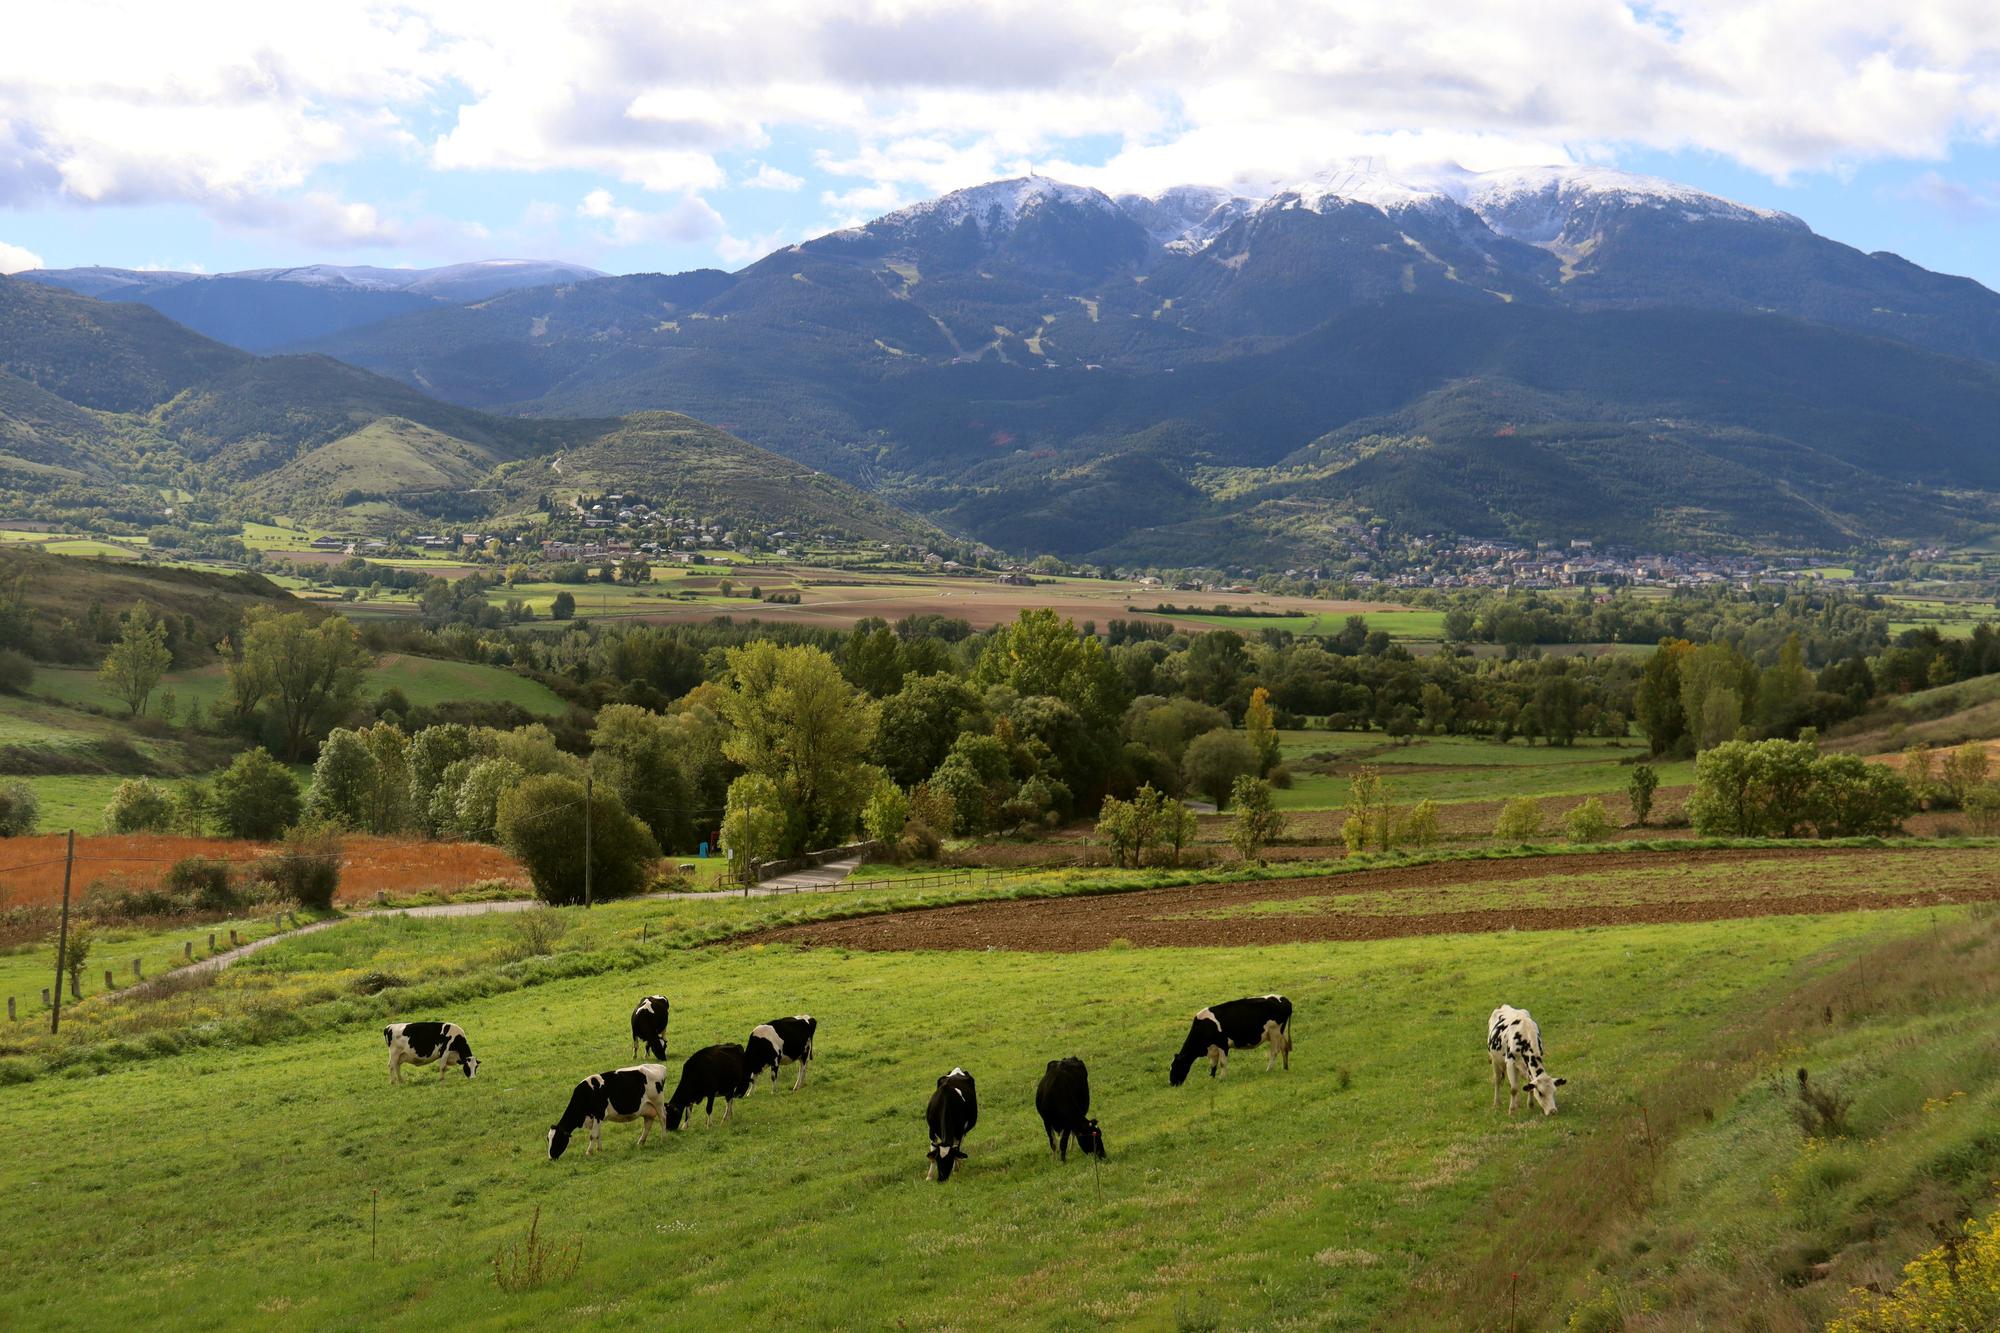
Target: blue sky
[632, 138]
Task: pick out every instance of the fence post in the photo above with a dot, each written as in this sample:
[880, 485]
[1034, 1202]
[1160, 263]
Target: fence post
[74, 993]
[109, 984]
[45, 997]
[138, 972]
[232, 937]
[187, 950]
[10, 1008]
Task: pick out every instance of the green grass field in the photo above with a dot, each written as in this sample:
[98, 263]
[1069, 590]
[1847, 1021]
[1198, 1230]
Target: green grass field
[1460, 768]
[1412, 624]
[243, 1189]
[427, 681]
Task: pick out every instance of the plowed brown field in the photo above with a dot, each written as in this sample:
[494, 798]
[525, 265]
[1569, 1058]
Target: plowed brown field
[1619, 888]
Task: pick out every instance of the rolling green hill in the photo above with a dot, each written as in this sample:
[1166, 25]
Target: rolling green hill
[109, 406]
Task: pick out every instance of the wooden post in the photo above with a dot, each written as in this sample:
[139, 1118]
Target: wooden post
[187, 951]
[10, 1008]
[109, 982]
[74, 993]
[211, 941]
[45, 997]
[62, 936]
[232, 937]
[138, 973]
[586, 838]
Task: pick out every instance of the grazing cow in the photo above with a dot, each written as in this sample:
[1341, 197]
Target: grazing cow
[1514, 1044]
[649, 1027]
[631, 1093]
[421, 1043]
[1063, 1098]
[711, 1072]
[782, 1041]
[953, 1111]
[1236, 1025]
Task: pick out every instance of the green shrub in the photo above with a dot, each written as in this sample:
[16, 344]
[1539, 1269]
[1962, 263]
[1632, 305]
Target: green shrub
[1520, 820]
[140, 805]
[541, 824]
[1639, 791]
[305, 870]
[1587, 822]
[255, 797]
[201, 884]
[1420, 826]
[20, 811]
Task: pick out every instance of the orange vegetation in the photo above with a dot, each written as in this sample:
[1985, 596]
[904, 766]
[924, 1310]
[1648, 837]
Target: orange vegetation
[31, 869]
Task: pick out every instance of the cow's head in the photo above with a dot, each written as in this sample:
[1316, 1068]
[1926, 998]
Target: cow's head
[1543, 1089]
[677, 1114]
[470, 1064]
[558, 1141]
[1091, 1140]
[942, 1156]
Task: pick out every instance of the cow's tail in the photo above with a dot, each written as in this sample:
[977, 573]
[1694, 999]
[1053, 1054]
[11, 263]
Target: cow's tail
[389, 1036]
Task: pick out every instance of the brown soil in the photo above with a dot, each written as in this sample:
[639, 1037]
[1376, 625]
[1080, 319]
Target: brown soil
[1155, 918]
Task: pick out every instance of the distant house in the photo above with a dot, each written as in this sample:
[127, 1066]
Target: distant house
[1018, 580]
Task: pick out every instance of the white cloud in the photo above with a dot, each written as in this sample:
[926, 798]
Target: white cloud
[739, 250]
[690, 219]
[1957, 200]
[768, 177]
[109, 102]
[18, 259]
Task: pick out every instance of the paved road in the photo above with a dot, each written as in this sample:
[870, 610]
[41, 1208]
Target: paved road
[814, 879]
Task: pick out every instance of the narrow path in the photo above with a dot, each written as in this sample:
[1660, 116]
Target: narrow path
[813, 879]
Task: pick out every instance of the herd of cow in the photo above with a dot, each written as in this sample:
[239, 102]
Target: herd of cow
[1062, 1097]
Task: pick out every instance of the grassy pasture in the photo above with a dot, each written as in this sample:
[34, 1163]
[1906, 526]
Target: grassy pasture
[1458, 768]
[242, 1193]
[425, 680]
[1398, 624]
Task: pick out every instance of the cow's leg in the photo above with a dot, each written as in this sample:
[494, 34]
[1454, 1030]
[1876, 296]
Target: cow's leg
[1052, 1139]
[800, 1081]
[930, 1172]
[774, 1080]
[1513, 1086]
[1499, 1074]
[444, 1067]
[729, 1106]
[395, 1066]
[1065, 1146]
[1285, 1035]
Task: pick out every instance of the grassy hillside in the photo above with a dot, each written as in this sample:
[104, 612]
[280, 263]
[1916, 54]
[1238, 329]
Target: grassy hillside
[1365, 1196]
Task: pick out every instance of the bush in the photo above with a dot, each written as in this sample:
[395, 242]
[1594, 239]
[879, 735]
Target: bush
[1520, 820]
[17, 673]
[1420, 826]
[71, 961]
[1982, 809]
[1782, 789]
[1955, 1286]
[1587, 822]
[306, 870]
[1280, 777]
[539, 929]
[20, 811]
[140, 805]
[1639, 791]
[541, 824]
[256, 797]
[1214, 761]
[201, 885]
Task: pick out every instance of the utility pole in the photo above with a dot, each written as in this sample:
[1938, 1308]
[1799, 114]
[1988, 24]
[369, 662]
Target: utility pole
[586, 837]
[62, 936]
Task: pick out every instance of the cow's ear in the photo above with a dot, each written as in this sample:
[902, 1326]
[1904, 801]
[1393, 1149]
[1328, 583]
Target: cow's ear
[1561, 1082]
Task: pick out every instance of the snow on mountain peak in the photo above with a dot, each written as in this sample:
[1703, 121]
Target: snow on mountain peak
[1360, 181]
[996, 207]
[1537, 204]
[1185, 217]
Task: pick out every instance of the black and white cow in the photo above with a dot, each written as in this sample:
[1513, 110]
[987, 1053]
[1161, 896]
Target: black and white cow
[782, 1041]
[1514, 1045]
[953, 1111]
[1063, 1098]
[421, 1043]
[631, 1093]
[1236, 1025]
[711, 1072]
[649, 1027]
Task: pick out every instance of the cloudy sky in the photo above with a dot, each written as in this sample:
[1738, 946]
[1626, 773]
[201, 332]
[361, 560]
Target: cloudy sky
[668, 136]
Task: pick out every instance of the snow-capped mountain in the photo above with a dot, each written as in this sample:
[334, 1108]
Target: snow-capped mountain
[1186, 216]
[996, 208]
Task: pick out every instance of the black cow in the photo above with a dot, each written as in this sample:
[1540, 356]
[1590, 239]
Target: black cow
[1063, 1098]
[632, 1093]
[421, 1043]
[953, 1111]
[711, 1072]
[782, 1041]
[649, 1027]
[1237, 1025]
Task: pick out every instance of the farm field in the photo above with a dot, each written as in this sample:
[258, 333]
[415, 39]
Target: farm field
[1371, 1161]
[1450, 769]
[1397, 622]
[424, 680]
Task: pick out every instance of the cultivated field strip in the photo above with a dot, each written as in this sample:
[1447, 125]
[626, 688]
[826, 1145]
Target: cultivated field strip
[1530, 893]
